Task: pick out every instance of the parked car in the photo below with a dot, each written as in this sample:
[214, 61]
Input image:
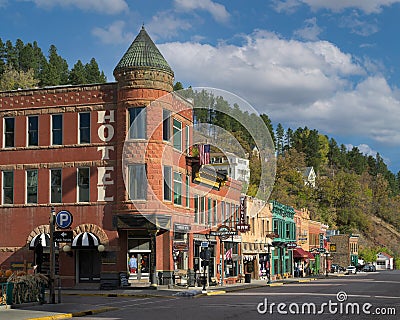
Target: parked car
[335, 268]
[351, 269]
[369, 268]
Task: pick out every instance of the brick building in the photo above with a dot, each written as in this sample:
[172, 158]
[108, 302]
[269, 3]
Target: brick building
[117, 162]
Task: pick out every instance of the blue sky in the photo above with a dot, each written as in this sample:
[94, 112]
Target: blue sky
[330, 65]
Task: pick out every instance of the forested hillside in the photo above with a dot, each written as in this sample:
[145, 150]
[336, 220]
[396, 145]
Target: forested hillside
[353, 190]
[23, 65]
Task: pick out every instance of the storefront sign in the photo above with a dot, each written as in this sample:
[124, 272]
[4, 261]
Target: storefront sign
[332, 247]
[243, 226]
[182, 228]
[224, 232]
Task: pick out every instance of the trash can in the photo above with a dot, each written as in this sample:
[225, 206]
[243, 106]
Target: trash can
[191, 278]
[247, 278]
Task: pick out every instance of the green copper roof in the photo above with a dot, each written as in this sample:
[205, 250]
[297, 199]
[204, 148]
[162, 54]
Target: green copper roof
[143, 53]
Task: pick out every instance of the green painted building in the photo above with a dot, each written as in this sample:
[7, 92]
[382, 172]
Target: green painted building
[285, 232]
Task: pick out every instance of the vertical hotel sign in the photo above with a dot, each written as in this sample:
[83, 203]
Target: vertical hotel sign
[242, 226]
[105, 134]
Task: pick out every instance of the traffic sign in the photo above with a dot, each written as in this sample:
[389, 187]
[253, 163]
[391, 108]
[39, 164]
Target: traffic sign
[63, 236]
[204, 244]
[64, 219]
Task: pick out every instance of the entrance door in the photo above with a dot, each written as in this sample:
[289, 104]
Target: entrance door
[89, 265]
[143, 266]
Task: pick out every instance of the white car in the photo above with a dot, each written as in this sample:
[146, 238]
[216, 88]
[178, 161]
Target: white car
[351, 269]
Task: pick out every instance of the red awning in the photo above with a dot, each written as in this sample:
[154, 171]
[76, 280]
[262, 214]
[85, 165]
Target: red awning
[299, 253]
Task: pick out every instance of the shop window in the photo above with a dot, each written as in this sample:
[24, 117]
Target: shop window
[31, 186]
[167, 183]
[137, 182]
[177, 188]
[9, 132]
[56, 186]
[84, 127]
[215, 212]
[8, 187]
[137, 123]
[83, 184]
[33, 131]
[57, 129]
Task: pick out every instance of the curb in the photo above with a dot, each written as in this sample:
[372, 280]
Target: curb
[213, 293]
[56, 316]
[75, 314]
[114, 295]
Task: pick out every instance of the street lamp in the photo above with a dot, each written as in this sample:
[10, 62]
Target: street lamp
[268, 266]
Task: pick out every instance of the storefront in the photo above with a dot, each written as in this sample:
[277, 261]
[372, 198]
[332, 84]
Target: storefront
[232, 257]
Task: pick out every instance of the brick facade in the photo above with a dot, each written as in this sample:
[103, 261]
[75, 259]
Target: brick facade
[108, 213]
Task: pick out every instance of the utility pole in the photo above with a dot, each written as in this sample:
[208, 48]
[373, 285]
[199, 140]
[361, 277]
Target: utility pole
[52, 257]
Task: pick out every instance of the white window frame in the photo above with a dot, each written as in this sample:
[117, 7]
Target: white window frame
[167, 180]
[4, 133]
[142, 183]
[52, 129]
[79, 127]
[61, 186]
[26, 186]
[2, 188]
[177, 135]
[78, 185]
[28, 131]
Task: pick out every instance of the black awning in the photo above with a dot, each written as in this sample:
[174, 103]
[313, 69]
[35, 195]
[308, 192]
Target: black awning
[139, 221]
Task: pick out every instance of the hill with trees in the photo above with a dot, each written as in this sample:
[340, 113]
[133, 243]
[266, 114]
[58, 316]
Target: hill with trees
[354, 192]
[23, 65]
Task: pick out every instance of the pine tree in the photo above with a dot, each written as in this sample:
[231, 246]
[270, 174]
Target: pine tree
[78, 74]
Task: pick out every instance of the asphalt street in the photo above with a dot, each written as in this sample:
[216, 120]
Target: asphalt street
[361, 296]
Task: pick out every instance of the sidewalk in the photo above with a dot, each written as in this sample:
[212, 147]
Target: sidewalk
[69, 310]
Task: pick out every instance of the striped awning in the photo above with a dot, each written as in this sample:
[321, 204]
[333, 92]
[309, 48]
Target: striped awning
[45, 237]
[85, 240]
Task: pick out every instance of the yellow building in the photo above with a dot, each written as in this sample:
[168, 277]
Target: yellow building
[254, 249]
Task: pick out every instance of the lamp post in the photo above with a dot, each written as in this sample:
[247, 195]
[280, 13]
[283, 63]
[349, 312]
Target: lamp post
[269, 246]
[326, 263]
[52, 257]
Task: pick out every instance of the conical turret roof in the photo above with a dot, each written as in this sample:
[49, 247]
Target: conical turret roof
[143, 53]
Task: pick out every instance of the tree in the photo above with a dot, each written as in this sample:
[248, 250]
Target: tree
[77, 74]
[55, 72]
[280, 133]
[93, 74]
[178, 86]
[13, 79]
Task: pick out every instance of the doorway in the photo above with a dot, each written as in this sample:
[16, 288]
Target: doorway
[89, 265]
[142, 271]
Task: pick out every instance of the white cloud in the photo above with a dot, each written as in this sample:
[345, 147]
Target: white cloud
[364, 149]
[357, 25]
[218, 11]
[113, 34]
[166, 25]
[311, 30]
[296, 83]
[103, 6]
[367, 6]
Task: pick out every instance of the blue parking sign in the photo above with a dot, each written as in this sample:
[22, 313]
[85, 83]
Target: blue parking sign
[63, 219]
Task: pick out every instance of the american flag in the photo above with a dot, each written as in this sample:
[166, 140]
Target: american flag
[204, 151]
[228, 254]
